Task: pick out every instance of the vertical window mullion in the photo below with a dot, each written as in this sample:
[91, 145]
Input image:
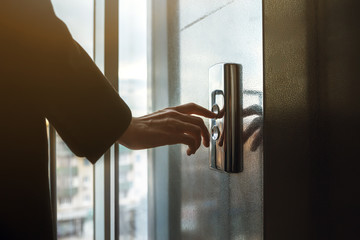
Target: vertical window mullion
[99, 181]
[111, 72]
[106, 173]
[52, 170]
[159, 160]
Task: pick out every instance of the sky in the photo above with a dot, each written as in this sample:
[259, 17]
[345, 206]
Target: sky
[79, 17]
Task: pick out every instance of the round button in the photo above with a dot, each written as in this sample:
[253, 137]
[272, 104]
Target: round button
[215, 133]
[215, 109]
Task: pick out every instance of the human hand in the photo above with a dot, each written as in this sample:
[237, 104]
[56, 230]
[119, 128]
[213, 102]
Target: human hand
[169, 126]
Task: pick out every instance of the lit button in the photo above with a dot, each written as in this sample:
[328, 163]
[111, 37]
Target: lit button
[215, 133]
[215, 109]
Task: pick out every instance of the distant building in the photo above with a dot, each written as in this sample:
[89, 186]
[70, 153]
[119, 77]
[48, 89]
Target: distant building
[74, 192]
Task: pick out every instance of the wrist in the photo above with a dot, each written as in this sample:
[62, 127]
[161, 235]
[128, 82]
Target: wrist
[124, 138]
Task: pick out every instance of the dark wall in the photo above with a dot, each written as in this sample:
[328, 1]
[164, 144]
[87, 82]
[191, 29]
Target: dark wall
[339, 117]
[289, 44]
[311, 108]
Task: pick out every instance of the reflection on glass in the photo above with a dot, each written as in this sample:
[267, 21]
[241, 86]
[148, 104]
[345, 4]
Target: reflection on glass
[133, 89]
[253, 120]
[75, 175]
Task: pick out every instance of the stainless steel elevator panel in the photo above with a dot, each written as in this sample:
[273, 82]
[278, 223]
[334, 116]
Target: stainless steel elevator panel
[225, 90]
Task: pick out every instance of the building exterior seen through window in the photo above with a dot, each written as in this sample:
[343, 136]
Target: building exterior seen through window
[74, 195]
[75, 175]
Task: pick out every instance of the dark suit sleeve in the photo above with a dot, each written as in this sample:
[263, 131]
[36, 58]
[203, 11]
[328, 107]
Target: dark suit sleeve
[62, 79]
[84, 108]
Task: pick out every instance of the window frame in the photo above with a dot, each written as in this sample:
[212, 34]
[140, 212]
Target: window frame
[106, 173]
[106, 217]
[105, 170]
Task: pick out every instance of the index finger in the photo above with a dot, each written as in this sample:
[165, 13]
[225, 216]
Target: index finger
[192, 108]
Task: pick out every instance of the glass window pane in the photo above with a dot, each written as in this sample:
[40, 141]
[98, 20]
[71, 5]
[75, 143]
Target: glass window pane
[133, 89]
[75, 175]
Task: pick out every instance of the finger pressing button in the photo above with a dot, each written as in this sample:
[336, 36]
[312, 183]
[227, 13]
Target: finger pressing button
[215, 109]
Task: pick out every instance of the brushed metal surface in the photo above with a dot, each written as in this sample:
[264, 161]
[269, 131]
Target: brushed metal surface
[205, 204]
[225, 89]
